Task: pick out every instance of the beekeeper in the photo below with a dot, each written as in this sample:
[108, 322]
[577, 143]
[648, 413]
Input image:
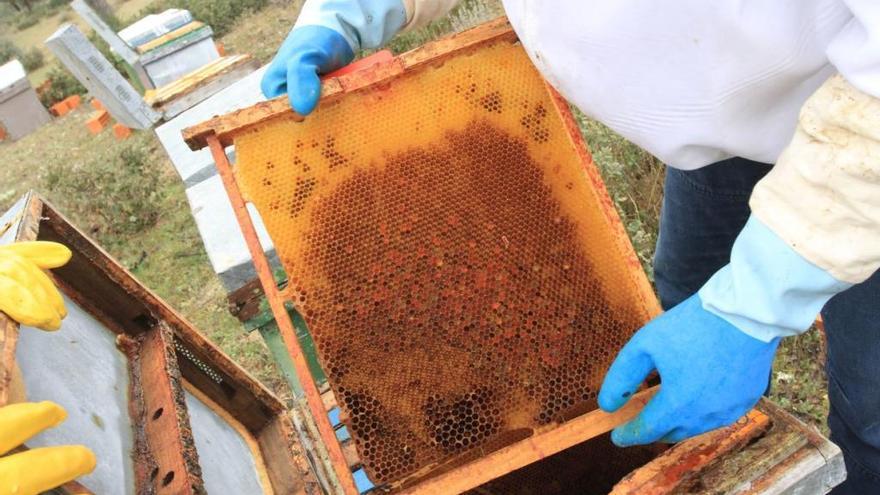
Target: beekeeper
[748, 252]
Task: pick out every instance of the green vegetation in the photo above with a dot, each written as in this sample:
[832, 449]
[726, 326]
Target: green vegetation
[8, 51]
[31, 59]
[23, 14]
[125, 195]
[61, 84]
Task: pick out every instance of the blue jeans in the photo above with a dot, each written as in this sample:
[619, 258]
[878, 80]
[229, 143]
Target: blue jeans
[703, 212]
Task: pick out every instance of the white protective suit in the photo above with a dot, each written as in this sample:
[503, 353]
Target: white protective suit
[695, 82]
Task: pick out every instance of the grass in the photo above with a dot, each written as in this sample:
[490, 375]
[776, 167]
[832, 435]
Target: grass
[270, 26]
[169, 258]
[36, 35]
[127, 9]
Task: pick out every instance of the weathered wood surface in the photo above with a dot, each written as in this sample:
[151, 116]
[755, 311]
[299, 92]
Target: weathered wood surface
[99, 76]
[769, 452]
[163, 415]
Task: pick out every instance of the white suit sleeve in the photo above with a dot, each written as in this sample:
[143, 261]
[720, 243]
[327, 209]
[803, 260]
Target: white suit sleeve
[823, 195]
[421, 12]
[815, 226]
[854, 52]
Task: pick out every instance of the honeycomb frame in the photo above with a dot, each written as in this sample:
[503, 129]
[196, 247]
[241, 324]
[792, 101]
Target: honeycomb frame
[473, 404]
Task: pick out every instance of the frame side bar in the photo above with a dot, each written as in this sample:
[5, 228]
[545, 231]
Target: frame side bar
[621, 237]
[285, 325]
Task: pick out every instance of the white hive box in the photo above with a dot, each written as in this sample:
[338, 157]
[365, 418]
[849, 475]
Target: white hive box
[21, 112]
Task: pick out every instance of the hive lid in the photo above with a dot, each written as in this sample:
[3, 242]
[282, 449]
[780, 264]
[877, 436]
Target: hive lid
[451, 246]
[13, 79]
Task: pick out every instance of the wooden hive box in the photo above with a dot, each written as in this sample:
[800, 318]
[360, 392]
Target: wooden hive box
[163, 408]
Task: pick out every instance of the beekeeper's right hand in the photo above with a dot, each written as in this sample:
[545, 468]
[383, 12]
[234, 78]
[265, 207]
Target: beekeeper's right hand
[329, 33]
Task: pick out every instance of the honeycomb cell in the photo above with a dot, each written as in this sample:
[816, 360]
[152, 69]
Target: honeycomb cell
[459, 271]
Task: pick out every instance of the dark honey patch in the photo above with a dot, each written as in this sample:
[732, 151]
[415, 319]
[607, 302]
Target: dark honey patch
[457, 423]
[450, 292]
[304, 189]
[492, 102]
[334, 158]
[534, 123]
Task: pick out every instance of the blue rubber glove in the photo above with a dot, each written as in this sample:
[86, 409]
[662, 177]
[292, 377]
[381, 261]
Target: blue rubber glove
[326, 37]
[714, 351]
[307, 53]
[712, 373]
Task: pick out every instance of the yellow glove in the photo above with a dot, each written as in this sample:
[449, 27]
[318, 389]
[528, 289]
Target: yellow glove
[38, 470]
[27, 294]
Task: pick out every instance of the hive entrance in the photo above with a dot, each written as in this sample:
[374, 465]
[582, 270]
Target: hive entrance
[453, 252]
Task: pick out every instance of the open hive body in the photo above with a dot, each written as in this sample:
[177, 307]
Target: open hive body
[163, 409]
[451, 247]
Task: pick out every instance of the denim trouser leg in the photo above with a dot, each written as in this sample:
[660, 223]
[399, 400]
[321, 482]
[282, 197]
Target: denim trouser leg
[852, 323]
[703, 212]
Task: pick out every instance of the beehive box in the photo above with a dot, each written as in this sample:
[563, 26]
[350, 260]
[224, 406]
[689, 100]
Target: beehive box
[164, 410]
[452, 248]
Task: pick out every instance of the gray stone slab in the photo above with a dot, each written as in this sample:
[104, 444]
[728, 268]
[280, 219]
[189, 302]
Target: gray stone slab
[102, 80]
[228, 463]
[80, 368]
[197, 166]
[224, 242]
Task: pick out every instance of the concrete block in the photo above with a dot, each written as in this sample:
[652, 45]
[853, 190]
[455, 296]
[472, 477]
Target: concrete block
[99, 76]
[222, 236]
[121, 132]
[73, 102]
[98, 122]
